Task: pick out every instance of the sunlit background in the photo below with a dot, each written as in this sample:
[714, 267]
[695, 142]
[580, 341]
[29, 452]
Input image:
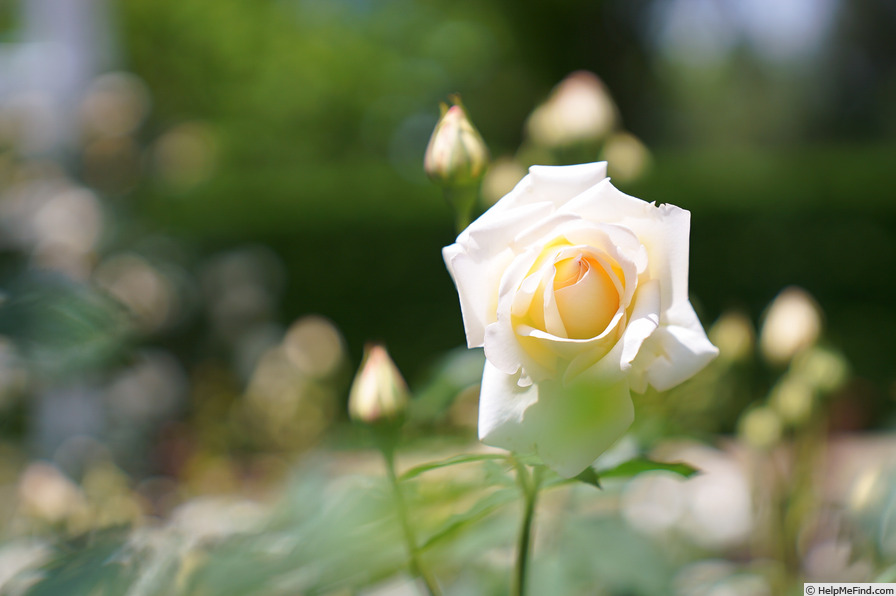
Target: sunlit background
[208, 207]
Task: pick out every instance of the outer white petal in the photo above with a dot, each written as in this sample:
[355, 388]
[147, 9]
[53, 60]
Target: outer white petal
[559, 184]
[673, 353]
[664, 231]
[502, 405]
[573, 424]
[476, 261]
[544, 186]
[567, 426]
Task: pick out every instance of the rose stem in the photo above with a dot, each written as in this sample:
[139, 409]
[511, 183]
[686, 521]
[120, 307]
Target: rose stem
[529, 486]
[415, 565]
[462, 199]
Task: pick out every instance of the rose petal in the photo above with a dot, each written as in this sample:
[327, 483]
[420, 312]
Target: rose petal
[545, 188]
[477, 262]
[642, 322]
[588, 304]
[559, 184]
[568, 427]
[663, 230]
[673, 353]
[508, 353]
[502, 403]
[574, 424]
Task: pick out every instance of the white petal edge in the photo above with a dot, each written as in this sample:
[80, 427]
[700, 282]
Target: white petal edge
[673, 353]
[502, 405]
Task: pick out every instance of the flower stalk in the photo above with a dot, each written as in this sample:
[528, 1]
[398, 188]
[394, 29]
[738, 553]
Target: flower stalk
[415, 564]
[530, 484]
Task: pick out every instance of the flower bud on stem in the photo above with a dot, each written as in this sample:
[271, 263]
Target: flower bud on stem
[456, 159]
[378, 399]
[379, 394]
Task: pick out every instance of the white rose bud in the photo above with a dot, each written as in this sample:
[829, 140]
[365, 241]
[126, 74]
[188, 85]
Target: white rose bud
[378, 392]
[793, 322]
[456, 154]
[579, 110]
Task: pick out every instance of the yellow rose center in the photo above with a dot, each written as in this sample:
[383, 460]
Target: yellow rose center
[586, 297]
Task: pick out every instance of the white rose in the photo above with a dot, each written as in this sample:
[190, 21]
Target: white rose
[579, 295]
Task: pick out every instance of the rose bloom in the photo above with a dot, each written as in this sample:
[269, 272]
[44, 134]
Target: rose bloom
[578, 293]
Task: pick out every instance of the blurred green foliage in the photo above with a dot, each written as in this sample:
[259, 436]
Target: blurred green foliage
[320, 112]
[279, 174]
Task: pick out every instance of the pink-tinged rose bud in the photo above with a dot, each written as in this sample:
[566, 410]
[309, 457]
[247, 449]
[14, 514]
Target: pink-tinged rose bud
[456, 154]
[378, 392]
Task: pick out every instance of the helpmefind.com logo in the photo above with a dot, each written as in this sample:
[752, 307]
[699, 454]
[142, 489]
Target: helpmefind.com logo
[815, 589]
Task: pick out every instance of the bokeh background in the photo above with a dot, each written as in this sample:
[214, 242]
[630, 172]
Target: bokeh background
[208, 207]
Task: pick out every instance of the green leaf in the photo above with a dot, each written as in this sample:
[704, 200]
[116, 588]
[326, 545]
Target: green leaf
[451, 461]
[479, 510]
[638, 465]
[589, 476]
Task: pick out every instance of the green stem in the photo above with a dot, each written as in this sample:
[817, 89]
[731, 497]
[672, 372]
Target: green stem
[530, 486]
[415, 565]
[462, 199]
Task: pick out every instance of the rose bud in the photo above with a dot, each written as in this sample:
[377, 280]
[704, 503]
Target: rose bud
[792, 323]
[378, 392]
[579, 110]
[456, 154]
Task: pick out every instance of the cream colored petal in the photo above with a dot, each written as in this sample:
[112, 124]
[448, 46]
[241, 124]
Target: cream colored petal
[553, 321]
[617, 360]
[559, 184]
[477, 262]
[502, 405]
[588, 304]
[663, 230]
[509, 353]
[673, 353]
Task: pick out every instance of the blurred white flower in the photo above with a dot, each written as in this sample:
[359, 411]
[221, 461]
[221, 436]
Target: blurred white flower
[628, 156]
[734, 335]
[114, 105]
[578, 110]
[501, 177]
[46, 493]
[792, 323]
[761, 427]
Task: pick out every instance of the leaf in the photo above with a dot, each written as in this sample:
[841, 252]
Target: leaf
[451, 461]
[639, 465]
[589, 476]
[476, 512]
